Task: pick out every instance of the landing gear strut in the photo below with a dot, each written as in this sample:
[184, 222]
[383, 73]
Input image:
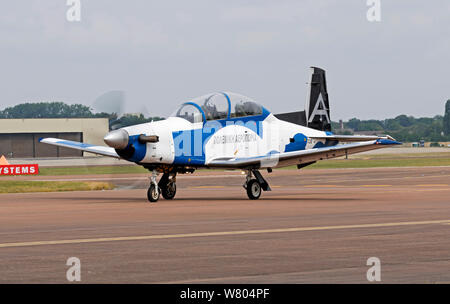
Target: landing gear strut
[167, 186]
[153, 191]
[255, 185]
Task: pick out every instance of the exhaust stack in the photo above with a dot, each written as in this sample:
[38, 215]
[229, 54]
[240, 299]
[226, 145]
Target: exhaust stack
[148, 138]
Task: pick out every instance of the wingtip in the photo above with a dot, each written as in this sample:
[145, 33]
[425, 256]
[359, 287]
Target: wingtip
[388, 142]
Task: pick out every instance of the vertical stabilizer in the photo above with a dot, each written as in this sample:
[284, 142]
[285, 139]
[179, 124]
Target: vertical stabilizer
[317, 108]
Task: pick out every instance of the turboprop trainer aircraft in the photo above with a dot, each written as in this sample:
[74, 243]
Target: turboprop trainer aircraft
[227, 130]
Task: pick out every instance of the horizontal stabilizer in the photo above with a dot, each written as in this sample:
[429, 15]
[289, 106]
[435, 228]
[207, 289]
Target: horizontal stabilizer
[353, 138]
[298, 117]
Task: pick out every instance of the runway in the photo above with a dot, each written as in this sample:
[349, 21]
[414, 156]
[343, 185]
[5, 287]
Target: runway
[315, 226]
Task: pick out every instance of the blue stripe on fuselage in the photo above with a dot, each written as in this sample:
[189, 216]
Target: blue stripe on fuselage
[189, 145]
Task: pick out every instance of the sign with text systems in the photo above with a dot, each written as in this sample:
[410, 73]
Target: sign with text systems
[28, 169]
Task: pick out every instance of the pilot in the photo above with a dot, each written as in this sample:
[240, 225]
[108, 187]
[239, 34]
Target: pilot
[210, 110]
[239, 109]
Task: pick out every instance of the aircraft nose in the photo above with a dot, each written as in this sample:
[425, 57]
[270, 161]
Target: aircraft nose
[117, 139]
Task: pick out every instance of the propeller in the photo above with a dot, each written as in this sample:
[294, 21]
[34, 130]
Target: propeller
[112, 102]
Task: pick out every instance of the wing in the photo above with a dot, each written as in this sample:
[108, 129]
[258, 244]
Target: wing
[302, 156]
[352, 138]
[106, 151]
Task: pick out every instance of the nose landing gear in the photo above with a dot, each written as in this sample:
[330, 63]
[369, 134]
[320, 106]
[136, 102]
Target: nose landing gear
[167, 187]
[153, 191]
[255, 185]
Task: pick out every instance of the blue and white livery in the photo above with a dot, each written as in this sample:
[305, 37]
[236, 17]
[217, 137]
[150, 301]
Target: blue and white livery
[228, 130]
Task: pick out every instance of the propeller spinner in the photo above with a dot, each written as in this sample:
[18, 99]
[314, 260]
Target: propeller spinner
[117, 139]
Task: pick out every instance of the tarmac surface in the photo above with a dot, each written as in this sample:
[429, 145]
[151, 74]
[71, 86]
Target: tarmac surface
[315, 226]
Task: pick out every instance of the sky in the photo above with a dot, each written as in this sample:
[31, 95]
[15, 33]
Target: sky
[162, 53]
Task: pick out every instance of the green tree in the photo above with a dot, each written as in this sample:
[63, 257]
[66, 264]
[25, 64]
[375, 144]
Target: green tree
[49, 110]
[353, 124]
[447, 119]
[129, 120]
[404, 120]
[405, 128]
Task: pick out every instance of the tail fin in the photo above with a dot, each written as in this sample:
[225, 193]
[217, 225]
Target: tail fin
[317, 108]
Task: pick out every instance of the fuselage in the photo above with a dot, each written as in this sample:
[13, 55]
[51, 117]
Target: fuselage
[194, 139]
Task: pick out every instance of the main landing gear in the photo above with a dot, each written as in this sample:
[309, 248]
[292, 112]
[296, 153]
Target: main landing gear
[167, 187]
[254, 186]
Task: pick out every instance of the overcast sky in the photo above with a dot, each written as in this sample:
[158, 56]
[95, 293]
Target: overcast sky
[162, 53]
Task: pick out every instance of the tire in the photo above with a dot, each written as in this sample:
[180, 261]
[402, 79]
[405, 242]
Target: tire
[253, 189]
[169, 191]
[152, 195]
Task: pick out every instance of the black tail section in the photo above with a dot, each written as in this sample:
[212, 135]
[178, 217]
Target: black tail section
[317, 105]
[317, 108]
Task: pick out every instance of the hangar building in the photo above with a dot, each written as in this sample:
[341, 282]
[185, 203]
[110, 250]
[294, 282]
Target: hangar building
[19, 138]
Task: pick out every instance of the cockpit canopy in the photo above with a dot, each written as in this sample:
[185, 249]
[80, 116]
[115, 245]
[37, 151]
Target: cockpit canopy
[218, 106]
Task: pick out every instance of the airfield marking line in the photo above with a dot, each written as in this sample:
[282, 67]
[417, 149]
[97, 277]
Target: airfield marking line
[344, 186]
[392, 178]
[432, 185]
[322, 186]
[219, 233]
[207, 187]
[427, 190]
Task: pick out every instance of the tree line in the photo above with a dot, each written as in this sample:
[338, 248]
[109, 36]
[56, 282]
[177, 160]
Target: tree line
[63, 110]
[403, 128]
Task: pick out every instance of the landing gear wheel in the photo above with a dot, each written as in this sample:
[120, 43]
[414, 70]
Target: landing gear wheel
[253, 189]
[153, 194]
[169, 191]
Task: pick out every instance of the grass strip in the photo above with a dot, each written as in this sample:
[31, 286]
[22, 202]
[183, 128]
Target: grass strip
[87, 170]
[45, 186]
